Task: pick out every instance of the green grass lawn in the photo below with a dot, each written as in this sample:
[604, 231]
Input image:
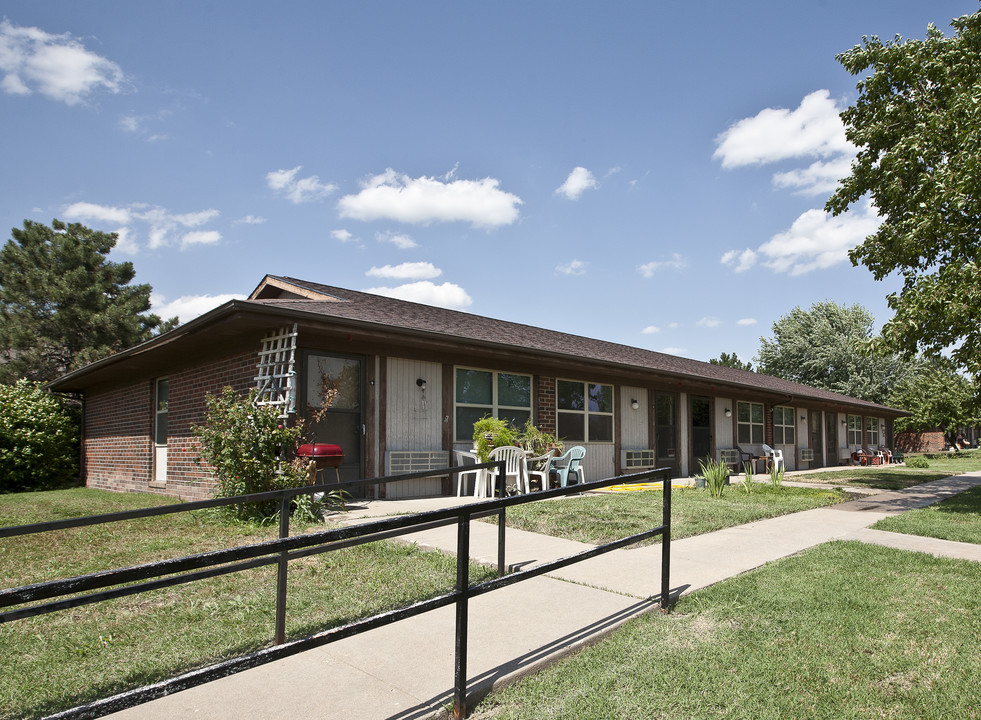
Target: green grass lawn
[896, 477]
[59, 660]
[957, 518]
[840, 631]
[602, 517]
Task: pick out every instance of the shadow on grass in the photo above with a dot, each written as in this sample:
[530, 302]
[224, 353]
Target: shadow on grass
[897, 479]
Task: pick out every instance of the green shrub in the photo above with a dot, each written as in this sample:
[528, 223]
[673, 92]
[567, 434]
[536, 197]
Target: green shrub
[917, 461]
[715, 473]
[776, 476]
[39, 439]
[243, 443]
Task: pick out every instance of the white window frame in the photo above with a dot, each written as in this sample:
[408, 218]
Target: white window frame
[495, 407]
[854, 431]
[784, 426]
[872, 431]
[761, 425]
[585, 413]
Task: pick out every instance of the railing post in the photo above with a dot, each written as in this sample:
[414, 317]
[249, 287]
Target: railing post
[282, 572]
[501, 530]
[666, 545]
[462, 616]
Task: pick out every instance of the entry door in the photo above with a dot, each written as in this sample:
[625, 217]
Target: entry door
[817, 441]
[701, 431]
[334, 409]
[831, 437]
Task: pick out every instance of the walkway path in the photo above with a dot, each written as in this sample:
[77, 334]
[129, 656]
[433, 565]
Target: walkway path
[405, 670]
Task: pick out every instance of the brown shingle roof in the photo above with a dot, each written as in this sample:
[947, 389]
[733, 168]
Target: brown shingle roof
[455, 325]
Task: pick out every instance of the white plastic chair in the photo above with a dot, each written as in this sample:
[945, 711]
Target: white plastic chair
[775, 458]
[543, 464]
[465, 458]
[515, 468]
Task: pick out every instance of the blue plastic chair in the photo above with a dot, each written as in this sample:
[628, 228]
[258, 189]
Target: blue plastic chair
[570, 462]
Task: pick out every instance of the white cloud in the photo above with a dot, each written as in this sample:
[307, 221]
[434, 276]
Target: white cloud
[57, 66]
[297, 190]
[196, 219]
[743, 261]
[812, 130]
[130, 123]
[579, 181]
[420, 201]
[251, 220]
[709, 322]
[188, 307]
[574, 267]
[674, 350]
[650, 330]
[98, 213]
[677, 262]
[745, 322]
[200, 237]
[406, 271]
[820, 178]
[342, 235]
[446, 295]
[160, 227]
[818, 240]
[399, 240]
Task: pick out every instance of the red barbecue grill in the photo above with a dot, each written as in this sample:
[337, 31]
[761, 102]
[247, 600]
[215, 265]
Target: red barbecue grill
[324, 456]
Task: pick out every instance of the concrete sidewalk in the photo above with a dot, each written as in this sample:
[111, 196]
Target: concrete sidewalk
[405, 670]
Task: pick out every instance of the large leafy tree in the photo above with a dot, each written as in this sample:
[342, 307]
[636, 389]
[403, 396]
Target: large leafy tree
[916, 123]
[936, 396]
[63, 303]
[731, 360]
[833, 347]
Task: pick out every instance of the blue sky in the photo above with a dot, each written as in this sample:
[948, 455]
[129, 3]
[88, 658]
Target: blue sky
[651, 173]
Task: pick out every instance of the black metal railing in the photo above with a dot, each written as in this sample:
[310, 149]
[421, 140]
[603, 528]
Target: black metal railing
[98, 587]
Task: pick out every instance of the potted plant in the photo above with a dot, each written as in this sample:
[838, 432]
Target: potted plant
[537, 442]
[489, 433]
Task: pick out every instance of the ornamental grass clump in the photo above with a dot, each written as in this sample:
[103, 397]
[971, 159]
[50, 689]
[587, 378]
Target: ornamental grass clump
[748, 484]
[776, 476]
[716, 473]
[245, 444]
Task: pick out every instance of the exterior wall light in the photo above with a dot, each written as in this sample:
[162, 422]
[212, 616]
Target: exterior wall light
[728, 412]
[634, 404]
[421, 383]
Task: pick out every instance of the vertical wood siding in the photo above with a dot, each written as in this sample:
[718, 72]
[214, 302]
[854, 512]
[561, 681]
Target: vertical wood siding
[634, 423]
[410, 423]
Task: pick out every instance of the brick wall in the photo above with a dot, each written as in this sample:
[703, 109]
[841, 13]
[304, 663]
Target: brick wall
[545, 409]
[119, 429]
[926, 442]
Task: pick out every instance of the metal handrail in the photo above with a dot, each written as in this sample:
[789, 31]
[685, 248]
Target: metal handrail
[190, 568]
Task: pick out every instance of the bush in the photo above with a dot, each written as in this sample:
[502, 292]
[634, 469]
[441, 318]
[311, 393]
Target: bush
[244, 444]
[39, 439]
[917, 461]
[716, 473]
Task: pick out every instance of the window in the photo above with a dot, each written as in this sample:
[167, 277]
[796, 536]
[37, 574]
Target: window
[783, 426]
[854, 430]
[749, 423]
[160, 418]
[481, 392]
[585, 411]
[872, 431]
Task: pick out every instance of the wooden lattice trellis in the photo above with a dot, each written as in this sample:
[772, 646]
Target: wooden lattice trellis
[277, 370]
